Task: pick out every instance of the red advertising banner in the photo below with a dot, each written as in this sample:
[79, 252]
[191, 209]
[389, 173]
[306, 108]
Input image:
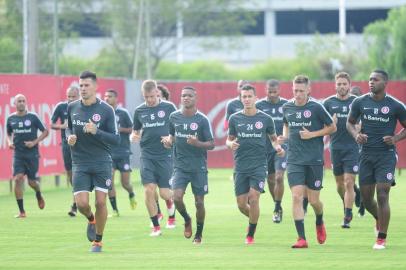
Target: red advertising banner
[213, 97]
[43, 92]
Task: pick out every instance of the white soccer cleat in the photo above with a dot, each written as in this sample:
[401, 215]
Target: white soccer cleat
[380, 244]
[156, 231]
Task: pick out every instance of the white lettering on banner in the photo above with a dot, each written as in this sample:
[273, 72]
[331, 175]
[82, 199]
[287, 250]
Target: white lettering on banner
[4, 87]
[219, 131]
[50, 162]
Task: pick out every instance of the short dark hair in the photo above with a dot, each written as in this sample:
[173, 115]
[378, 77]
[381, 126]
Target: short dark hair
[114, 92]
[88, 75]
[189, 88]
[356, 90]
[249, 87]
[272, 83]
[164, 90]
[241, 83]
[383, 73]
[301, 79]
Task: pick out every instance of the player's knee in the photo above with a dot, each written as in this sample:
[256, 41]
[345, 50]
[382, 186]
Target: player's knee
[382, 196]
[100, 204]
[32, 183]
[199, 204]
[297, 198]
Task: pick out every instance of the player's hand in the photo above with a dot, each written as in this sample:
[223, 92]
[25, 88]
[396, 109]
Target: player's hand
[166, 141]
[280, 152]
[11, 146]
[281, 139]
[192, 140]
[335, 120]
[234, 144]
[389, 140]
[305, 134]
[29, 144]
[72, 140]
[361, 138]
[90, 127]
[135, 137]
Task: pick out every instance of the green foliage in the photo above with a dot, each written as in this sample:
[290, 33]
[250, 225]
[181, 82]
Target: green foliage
[386, 40]
[10, 55]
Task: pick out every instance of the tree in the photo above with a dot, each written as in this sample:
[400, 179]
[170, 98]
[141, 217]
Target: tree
[213, 18]
[386, 41]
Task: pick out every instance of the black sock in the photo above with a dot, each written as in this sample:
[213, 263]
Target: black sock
[74, 206]
[99, 238]
[319, 219]
[131, 194]
[173, 216]
[375, 217]
[299, 224]
[381, 235]
[38, 195]
[20, 204]
[305, 203]
[113, 203]
[199, 229]
[277, 206]
[91, 218]
[348, 212]
[159, 208]
[185, 216]
[251, 229]
[155, 221]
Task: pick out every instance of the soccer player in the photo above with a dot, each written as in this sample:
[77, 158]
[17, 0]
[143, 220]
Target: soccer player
[343, 147]
[306, 122]
[248, 133]
[235, 104]
[92, 130]
[272, 105]
[151, 123]
[61, 113]
[121, 153]
[191, 135]
[379, 113]
[163, 92]
[22, 137]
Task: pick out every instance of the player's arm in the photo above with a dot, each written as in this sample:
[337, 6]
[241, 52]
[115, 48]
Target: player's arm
[285, 134]
[392, 140]
[127, 124]
[54, 120]
[110, 135]
[205, 134]
[306, 134]
[135, 136]
[194, 140]
[352, 125]
[70, 137]
[232, 143]
[41, 137]
[276, 144]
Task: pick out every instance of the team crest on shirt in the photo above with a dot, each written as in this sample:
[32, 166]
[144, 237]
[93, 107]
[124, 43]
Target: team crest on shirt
[161, 114]
[96, 117]
[27, 123]
[259, 125]
[389, 176]
[307, 113]
[280, 110]
[317, 183]
[194, 126]
[385, 109]
[355, 168]
[108, 182]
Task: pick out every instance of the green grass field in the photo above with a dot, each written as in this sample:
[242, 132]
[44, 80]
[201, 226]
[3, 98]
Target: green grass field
[49, 239]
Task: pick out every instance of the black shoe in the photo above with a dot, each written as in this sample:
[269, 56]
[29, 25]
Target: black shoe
[361, 210]
[277, 216]
[72, 212]
[91, 231]
[346, 223]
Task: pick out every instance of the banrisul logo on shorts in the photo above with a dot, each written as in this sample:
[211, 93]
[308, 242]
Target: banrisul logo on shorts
[161, 114]
[307, 113]
[385, 109]
[96, 117]
[194, 126]
[259, 125]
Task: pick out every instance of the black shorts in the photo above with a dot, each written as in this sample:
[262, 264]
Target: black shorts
[276, 163]
[307, 175]
[255, 179]
[67, 157]
[158, 172]
[198, 181]
[27, 166]
[122, 164]
[377, 167]
[89, 177]
[345, 161]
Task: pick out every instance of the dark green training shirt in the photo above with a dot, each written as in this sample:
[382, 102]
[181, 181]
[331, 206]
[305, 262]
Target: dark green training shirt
[187, 157]
[378, 119]
[154, 122]
[341, 139]
[123, 119]
[61, 113]
[233, 106]
[252, 135]
[312, 116]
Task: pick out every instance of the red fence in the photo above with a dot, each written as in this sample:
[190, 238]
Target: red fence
[43, 92]
[212, 99]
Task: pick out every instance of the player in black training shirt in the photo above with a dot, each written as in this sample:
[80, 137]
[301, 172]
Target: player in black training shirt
[22, 137]
[61, 113]
[379, 114]
[91, 131]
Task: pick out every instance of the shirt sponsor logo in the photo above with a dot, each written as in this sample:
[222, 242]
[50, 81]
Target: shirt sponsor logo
[27, 123]
[249, 135]
[161, 114]
[385, 110]
[96, 117]
[300, 124]
[259, 125]
[156, 124]
[376, 118]
[194, 126]
[307, 114]
[280, 110]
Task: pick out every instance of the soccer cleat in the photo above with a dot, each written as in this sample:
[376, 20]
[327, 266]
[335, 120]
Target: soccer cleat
[171, 207]
[72, 212]
[321, 233]
[188, 229]
[361, 210]
[156, 231]
[133, 203]
[116, 213]
[300, 243]
[96, 247]
[380, 244]
[277, 216]
[197, 240]
[21, 215]
[91, 231]
[171, 223]
[160, 217]
[249, 240]
[41, 202]
[346, 222]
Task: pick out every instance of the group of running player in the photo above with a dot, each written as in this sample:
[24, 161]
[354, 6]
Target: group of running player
[267, 137]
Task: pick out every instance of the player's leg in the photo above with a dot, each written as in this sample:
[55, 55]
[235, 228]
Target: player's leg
[340, 187]
[165, 173]
[32, 165]
[280, 167]
[241, 189]
[126, 184]
[101, 217]
[199, 185]
[271, 174]
[180, 180]
[19, 191]
[112, 191]
[73, 210]
[67, 161]
[349, 198]
[167, 195]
